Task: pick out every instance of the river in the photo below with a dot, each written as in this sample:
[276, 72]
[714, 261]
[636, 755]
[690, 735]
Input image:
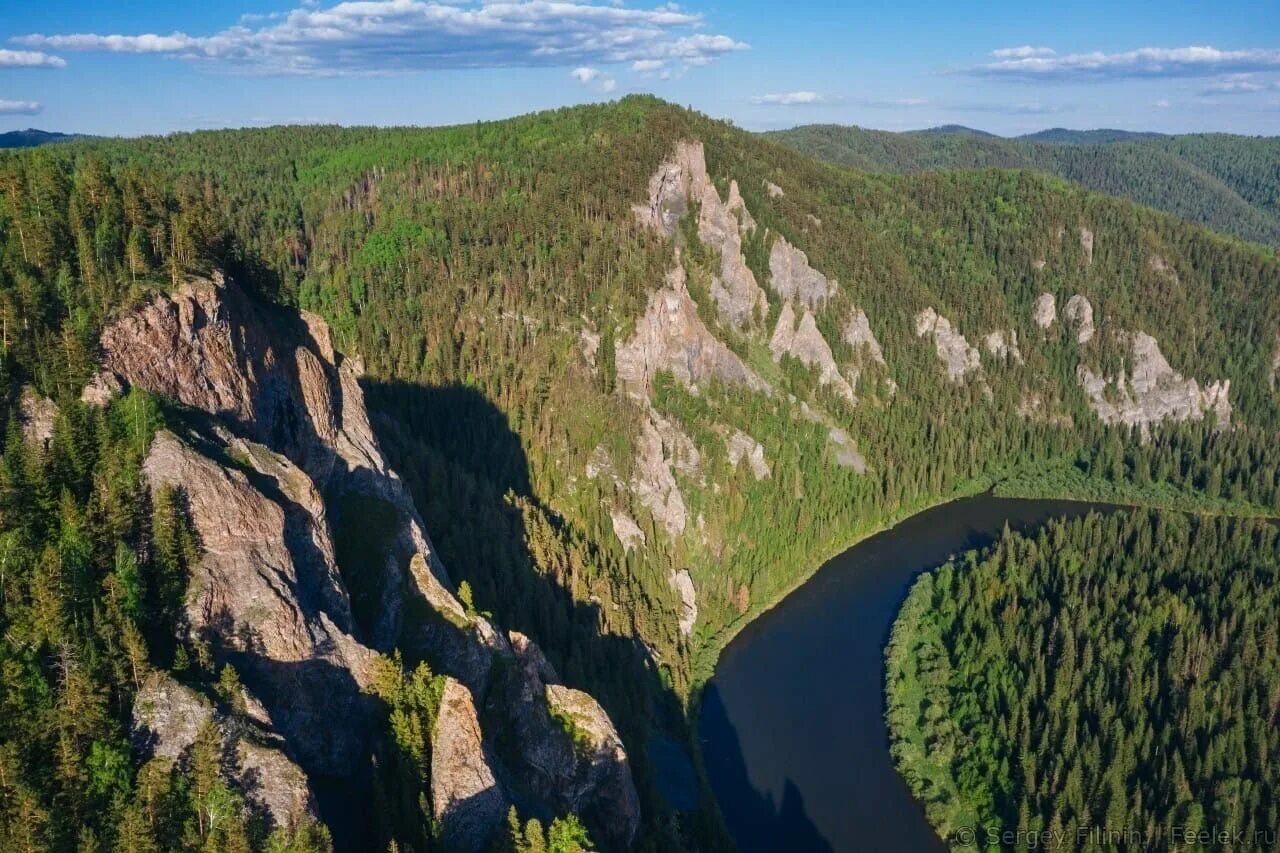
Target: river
[792, 725]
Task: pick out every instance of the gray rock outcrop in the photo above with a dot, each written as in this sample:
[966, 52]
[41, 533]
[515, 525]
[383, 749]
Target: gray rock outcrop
[804, 342]
[466, 798]
[682, 583]
[1275, 366]
[283, 446]
[958, 356]
[773, 190]
[737, 295]
[662, 449]
[741, 446]
[1044, 311]
[36, 417]
[1003, 345]
[671, 336]
[1079, 313]
[847, 454]
[861, 339]
[1152, 391]
[167, 719]
[626, 529]
[794, 280]
[1086, 243]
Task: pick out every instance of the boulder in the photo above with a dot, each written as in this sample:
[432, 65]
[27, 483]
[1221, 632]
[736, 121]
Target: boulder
[36, 417]
[682, 583]
[1079, 313]
[1044, 311]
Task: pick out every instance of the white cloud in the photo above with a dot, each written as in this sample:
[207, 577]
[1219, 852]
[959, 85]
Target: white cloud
[29, 59]
[1239, 84]
[26, 108]
[1193, 61]
[1023, 52]
[595, 78]
[788, 99]
[389, 36]
[1162, 104]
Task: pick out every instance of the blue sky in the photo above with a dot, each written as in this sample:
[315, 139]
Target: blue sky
[143, 66]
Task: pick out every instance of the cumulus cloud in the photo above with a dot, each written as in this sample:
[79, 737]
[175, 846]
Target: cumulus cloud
[1193, 61]
[595, 78]
[29, 59]
[789, 99]
[389, 36]
[23, 108]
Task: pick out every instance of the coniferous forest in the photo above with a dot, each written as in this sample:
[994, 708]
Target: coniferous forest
[1112, 682]
[469, 267]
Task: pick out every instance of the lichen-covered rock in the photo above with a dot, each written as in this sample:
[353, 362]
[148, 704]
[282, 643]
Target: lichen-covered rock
[1003, 345]
[167, 719]
[1152, 391]
[804, 342]
[793, 279]
[466, 798]
[682, 179]
[662, 449]
[1086, 243]
[682, 583]
[957, 355]
[741, 446]
[672, 337]
[1044, 311]
[36, 416]
[1079, 312]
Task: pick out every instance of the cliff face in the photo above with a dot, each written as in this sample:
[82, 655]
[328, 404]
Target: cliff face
[277, 464]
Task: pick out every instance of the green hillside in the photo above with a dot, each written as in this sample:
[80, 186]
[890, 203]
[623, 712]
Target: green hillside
[1229, 183]
[496, 279]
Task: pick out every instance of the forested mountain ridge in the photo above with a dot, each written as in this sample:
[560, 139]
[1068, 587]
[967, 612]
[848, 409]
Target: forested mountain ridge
[1229, 183]
[642, 371]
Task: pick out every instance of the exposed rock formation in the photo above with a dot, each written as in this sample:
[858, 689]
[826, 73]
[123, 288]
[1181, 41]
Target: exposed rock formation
[626, 529]
[267, 593]
[682, 583]
[1003, 345]
[1160, 266]
[805, 343]
[167, 719]
[773, 190]
[847, 455]
[661, 450]
[1086, 243]
[860, 338]
[957, 355]
[36, 416]
[284, 448]
[465, 795]
[672, 337]
[1275, 365]
[793, 279]
[742, 446]
[1044, 311]
[1079, 312]
[101, 390]
[683, 179]
[1153, 391]
[577, 763]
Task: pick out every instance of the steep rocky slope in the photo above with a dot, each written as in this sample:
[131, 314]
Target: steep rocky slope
[277, 448]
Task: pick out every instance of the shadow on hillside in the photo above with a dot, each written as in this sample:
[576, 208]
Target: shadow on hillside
[756, 821]
[469, 476]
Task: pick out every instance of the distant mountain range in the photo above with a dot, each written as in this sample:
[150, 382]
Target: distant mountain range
[1229, 183]
[31, 138]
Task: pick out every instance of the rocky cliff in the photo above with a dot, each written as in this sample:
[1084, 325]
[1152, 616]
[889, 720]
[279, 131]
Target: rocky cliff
[277, 463]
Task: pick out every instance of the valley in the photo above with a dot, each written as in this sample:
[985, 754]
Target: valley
[549, 410]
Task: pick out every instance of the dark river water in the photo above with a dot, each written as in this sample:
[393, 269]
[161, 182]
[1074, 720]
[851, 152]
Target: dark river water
[792, 725]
